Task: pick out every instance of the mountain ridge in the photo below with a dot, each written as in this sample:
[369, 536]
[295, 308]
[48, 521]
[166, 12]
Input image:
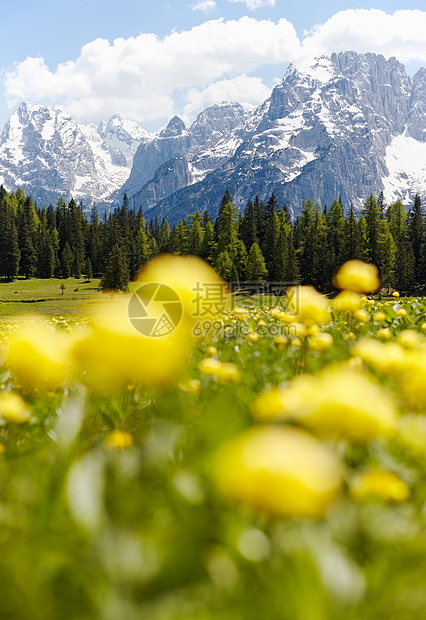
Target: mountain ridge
[346, 125]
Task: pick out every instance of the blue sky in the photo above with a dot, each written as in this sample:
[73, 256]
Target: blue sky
[149, 60]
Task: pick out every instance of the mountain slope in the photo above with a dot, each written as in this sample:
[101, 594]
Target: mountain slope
[333, 127]
[47, 154]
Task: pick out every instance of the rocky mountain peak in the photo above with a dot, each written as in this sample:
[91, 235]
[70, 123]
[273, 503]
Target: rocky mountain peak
[175, 127]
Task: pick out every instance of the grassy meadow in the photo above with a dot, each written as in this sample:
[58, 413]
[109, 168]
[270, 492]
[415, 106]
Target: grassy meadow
[261, 462]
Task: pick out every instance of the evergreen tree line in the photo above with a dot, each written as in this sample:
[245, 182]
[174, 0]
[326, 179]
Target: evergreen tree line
[260, 244]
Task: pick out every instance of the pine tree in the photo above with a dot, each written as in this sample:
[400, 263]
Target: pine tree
[387, 254]
[88, 270]
[116, 275]
[351, 245]
[416, 233]
[224, 266]
[27, 225]
[372, 215]
[196, 233]
[67, 259]
[9, 248]
[256, 270]
[208, 245]
[248, 228]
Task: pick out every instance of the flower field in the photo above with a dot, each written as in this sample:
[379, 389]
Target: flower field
[265, 461]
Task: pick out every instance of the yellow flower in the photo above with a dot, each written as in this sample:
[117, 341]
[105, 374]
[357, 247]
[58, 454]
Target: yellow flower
[241, 312]
[362, 315]
[280, 341]
[389, 358]
[229, 373]
[296, 342]
[395, 294]
[39, 357]
[410, 339]
[381, 484]
[348, 336]
[224, 371]
[347, 301]
[379, 317]
[119, 439]
[201, 290]
[209, 366]
[2, 448]
[191, 386]
[281, 403]
[113, 353]
[307, 305]
[358, 277]
[14, 408]
[384, 333]
[321, 341]
[338, 402]
[267, 469]
[253, 337]
[412, 431]
[211, 351]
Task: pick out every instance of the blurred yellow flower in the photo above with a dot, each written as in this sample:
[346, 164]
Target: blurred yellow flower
[389, 358]
[113, 353]
[379, 317]
[358, 277]
[384, 333]
[402, 312]
[211, 351]
[412, 431]
[202, 291]
[280, 470]
[253, 337]
[338, 402]
[13, 408]
[209, 366]
[347, 301]
[307, 305]
[320, 342]
[191, 386]
[241, 312]
[2, 448]
[410, 339]
[225, 372]
[381, 484]
[395, 294]
[119, 440]
[362, 315]
[39, 357]
[280, 341]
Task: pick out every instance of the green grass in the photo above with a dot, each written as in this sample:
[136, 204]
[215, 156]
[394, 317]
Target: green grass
[45, 297]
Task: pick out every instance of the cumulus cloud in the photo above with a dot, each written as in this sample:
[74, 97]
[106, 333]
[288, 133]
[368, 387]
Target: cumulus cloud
[401, 34]
[145, 77]
[140, 76]
[256, 4]
[204, 5]
[249, 91]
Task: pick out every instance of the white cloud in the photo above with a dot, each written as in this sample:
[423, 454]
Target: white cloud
[204, 5]
[144, 77]
[141, 76]
[401, 34]
[256, 4]
[249, 91]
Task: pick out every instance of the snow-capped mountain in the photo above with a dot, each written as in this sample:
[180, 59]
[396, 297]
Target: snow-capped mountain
[342, 126]
[48, 154]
